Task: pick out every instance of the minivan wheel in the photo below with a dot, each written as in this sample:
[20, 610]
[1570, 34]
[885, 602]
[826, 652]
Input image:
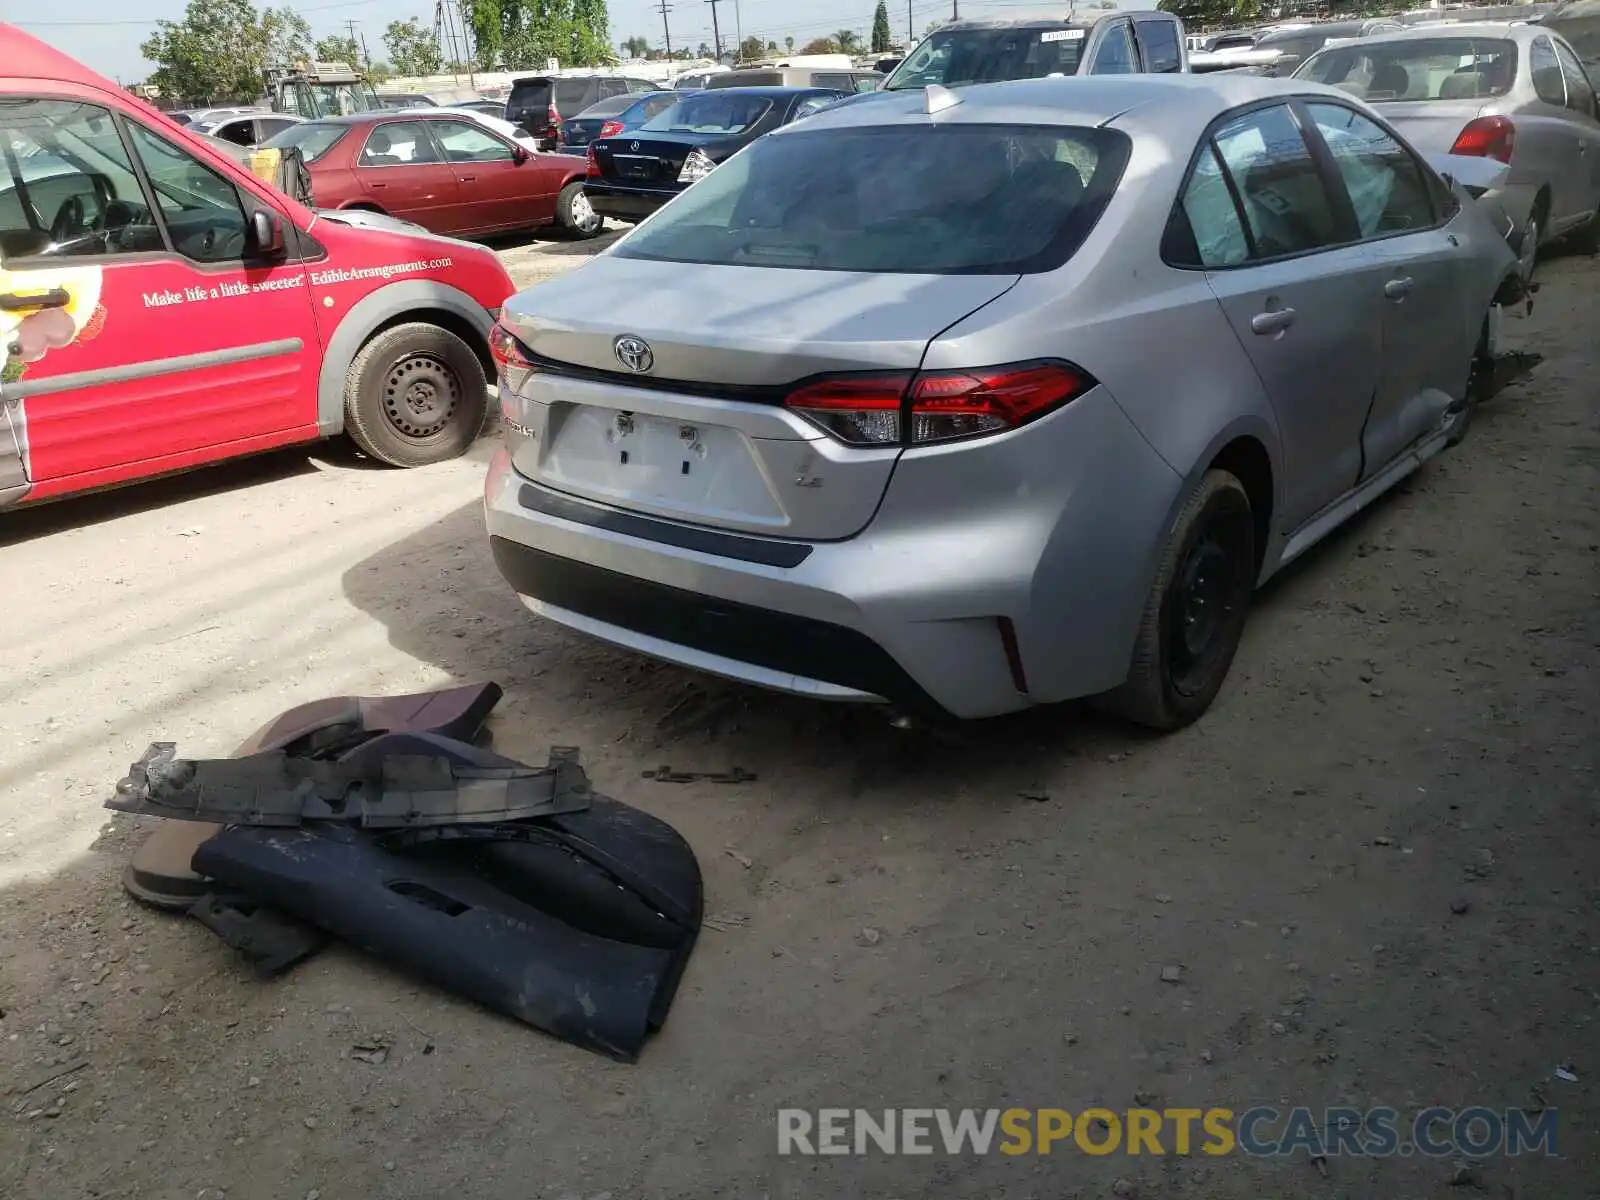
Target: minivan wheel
[575, 214]
[416, 394]
[1195, 612]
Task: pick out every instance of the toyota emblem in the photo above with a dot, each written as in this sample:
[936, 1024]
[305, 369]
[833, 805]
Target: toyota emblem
[634, 353]
[634, 146]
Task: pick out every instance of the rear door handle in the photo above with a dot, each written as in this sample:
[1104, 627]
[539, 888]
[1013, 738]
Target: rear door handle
[377, 185]
[1275, 321]
[469, 179]
[1398, 289]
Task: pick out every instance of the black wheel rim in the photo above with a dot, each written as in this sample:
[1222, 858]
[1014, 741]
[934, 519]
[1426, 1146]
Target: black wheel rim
[420, 395]
[1206, 599]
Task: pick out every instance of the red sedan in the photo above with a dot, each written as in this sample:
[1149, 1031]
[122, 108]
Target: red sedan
[446, 173]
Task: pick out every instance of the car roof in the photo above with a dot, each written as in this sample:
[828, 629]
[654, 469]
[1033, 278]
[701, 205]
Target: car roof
[1043, 20]
[26, 57]
[1175, 107]
[773, 91]
[1478, 29]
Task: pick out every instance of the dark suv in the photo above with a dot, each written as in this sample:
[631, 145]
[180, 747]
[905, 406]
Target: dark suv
[540, 103]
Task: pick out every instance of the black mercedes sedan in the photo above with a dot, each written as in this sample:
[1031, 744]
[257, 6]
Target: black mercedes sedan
[634, 173]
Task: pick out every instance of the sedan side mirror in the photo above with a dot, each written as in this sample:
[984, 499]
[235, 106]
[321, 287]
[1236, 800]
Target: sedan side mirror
[520, 155]
[266, 235]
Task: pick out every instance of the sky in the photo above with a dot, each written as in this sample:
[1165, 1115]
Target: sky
[105, 34]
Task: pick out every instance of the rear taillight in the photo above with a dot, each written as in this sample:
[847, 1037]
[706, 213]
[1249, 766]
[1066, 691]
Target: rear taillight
[552, 117]
[610, 129]
[506, 351]
[936, 406]
[1487, 137]
[593, 170]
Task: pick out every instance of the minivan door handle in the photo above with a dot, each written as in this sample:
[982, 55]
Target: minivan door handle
[1275, 321]
[1398, 289]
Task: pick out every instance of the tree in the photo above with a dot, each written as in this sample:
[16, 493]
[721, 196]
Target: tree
[485, 23]
[789, 44]
[772, 47]
[588, 35]
[751, 48]
[704, 51]
[637, 46]
[881, 37]
[338, 49]
[847, 41]
[412, 48]
[820, 46]
[220, 48]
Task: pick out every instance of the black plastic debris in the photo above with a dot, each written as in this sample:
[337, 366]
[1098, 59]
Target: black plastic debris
[578, 920]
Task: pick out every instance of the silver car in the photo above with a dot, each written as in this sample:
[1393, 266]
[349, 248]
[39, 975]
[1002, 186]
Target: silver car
[970, 401]
[1515, 93]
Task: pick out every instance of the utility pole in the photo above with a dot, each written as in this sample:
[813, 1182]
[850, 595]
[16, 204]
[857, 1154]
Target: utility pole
[666, 30]
[361, 40]
[716, 30]
[738, 25]
[911, 26]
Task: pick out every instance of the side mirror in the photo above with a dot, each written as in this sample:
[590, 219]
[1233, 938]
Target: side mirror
[520, 155]
[266, 235]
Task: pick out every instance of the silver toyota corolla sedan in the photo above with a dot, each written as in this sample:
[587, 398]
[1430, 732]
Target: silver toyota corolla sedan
[1514, 93]
[970, 401]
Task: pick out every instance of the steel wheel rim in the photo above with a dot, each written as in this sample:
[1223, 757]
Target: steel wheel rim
[583, 215]
[1207, 594]
[1528, 252]
[420, 395]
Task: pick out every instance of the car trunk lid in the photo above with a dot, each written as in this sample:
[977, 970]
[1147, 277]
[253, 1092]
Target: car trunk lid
[642, 160]
[1432, 126]
[702, 436]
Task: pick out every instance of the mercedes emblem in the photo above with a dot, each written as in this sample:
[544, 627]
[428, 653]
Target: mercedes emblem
[634, 146]
[634, 353]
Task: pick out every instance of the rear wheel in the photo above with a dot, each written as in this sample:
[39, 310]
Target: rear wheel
[1528, 241]
[1195, 612]
[575, 214]
[416, 394]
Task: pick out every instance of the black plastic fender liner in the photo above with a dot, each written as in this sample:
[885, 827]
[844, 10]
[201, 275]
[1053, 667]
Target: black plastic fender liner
[534, 928]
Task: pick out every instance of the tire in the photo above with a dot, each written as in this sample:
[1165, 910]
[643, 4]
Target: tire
[574, 214]
[1210, 551]
[1528, 242]
[415, 394]
[1481, 362]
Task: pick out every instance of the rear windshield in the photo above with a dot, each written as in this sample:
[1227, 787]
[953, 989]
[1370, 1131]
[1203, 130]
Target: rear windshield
[313, 138]
[531, 95]
[707, 112]
[944, 200]
[1442, 68]
[953, 57]
[611, 105]
[746, 79]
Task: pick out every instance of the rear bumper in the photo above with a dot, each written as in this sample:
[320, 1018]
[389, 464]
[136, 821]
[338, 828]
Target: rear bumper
[913, 611]
[625, 203]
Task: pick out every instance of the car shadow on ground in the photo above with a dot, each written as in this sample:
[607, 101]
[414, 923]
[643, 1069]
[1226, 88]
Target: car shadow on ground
[442, 601]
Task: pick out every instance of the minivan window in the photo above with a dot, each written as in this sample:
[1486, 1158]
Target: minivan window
[746, 79]
[200, 206]
[1417, 69]
[313, 139]
[954, 57]
[706, 112]
[954, 199]
[528, 96]
[1159, 41]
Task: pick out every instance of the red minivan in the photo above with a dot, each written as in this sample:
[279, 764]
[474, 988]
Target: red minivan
[161, 307]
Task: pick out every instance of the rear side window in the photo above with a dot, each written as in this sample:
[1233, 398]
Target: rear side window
[1159, 41]
[529, 97]
[1268, 171]
[1580, 92]
[1546, 69]
[312, 139]
[838, 81]
[1386, 186]
[941, 200]
[398, 144]
[574, 95]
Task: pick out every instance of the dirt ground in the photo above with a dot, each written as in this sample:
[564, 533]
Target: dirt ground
[1374, 861]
